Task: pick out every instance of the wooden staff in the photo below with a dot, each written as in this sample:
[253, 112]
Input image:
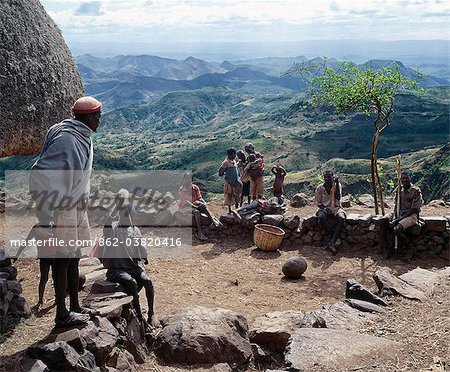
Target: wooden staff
[333, 193]
[399, 187]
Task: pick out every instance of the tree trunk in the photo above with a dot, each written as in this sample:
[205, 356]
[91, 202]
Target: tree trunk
[373, 169]
[380, 185]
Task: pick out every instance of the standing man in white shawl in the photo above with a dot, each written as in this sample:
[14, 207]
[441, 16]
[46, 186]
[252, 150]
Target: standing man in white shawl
[60, 186]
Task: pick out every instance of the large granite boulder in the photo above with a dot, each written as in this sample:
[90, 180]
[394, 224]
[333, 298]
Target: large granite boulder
[199, 335]
[39, 80]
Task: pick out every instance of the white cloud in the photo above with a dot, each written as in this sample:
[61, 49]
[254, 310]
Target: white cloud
[309, 19]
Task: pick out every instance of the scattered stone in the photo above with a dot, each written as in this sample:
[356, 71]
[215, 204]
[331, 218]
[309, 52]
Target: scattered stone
[72, 337]
[169, 198]
[291, 222]
[345, 201]
[294, 267]
[357, 291]
[435, 224]
[105, 286]
[199, 335]
[390, 285]
[299, 200]
[327, 349]
[59, 355]
[250, 220]
[364, 306]
[109, 305]
[89, 261]
[135, 343]
[365, 200]
[121, 360]
[273, 219]
[310, 222]
[260, 355]
[86, 363]
[228, 219]
[423, 280]
[336, 316]
[32, 365]
[437, 203]
[163, 217]
[101, 339]
[14, 286]
[272, 330]
[93, 277]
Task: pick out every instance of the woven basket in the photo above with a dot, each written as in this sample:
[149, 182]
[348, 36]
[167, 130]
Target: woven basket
[267, 237]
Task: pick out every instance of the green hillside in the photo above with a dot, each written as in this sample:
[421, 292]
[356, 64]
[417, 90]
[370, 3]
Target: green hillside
[430, 171]
[193, 129]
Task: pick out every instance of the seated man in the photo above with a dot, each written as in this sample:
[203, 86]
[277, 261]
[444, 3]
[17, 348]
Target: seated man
[328, 199]
[409, 206]
[122, 256]
[191, 201]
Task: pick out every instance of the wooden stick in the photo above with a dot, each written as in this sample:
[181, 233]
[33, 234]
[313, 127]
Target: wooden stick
[399, 187]
[333, 193]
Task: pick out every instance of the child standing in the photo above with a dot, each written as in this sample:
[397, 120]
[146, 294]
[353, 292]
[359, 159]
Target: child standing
[255, 168]
[245, 177]
[233, 185]
[279, 173]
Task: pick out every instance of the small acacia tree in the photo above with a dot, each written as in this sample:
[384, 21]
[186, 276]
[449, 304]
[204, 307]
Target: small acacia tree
[350, 88]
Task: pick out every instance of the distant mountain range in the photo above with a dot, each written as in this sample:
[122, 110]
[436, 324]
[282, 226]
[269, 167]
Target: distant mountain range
[123, 80]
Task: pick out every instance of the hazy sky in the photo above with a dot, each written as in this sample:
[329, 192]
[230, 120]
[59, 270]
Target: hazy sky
[172, 21]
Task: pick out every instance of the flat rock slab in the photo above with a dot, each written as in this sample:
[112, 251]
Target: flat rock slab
[109, 304]
[88, 269]
[435, 224]
[199, 335]
[339, 316]
[272, 330]
[105, 286]
[89, 261]
[93, 276]
[364, 306]
[423, 280]
[390, 285]
[357, 291]
[333, 349]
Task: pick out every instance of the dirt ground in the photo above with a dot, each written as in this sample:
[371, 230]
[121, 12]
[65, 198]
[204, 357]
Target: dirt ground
[233, 274]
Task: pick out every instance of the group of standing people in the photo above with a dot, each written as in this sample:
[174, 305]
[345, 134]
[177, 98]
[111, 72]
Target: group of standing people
[244, 178]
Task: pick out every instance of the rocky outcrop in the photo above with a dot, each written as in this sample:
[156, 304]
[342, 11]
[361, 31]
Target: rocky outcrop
[199, 335]
[39, 81]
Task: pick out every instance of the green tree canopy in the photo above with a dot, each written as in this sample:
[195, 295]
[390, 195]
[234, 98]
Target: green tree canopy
[351, 88]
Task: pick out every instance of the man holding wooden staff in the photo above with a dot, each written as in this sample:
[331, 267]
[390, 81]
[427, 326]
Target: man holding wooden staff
[408, 211]
[328, 199]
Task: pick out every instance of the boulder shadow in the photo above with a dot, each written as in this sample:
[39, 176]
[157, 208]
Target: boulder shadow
[264, 255]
